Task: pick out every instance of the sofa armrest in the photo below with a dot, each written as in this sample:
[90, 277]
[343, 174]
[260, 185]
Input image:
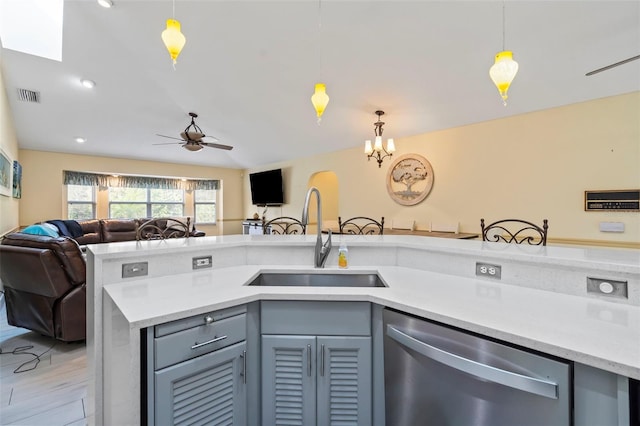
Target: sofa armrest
[67, 252]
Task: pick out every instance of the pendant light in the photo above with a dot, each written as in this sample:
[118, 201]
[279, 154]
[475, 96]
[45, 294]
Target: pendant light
[320, 99]
[377, 151]
[173, 38]
[505, 68]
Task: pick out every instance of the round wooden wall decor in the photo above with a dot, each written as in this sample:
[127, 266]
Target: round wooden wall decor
[409, 179]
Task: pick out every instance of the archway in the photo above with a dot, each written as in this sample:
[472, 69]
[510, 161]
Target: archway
[327, 184]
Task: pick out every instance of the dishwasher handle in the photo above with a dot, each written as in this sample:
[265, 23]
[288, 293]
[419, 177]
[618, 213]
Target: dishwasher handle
[507, 378]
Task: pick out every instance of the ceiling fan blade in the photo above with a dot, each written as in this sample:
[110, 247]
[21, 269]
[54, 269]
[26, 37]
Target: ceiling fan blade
[608, 67]
[212, 137]
[170, 137]
[216, 145]
[168, 143]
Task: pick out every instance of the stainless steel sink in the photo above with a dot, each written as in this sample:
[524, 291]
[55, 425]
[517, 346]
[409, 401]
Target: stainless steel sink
[288, 279]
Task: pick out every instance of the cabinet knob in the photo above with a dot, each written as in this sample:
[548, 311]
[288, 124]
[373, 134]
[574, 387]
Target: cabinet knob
[208, 319]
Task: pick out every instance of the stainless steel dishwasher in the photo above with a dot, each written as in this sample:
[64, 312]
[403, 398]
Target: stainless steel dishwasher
[436, 375]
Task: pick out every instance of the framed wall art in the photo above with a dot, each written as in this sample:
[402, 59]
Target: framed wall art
[409, 179]
[6, 168]
[17, 179]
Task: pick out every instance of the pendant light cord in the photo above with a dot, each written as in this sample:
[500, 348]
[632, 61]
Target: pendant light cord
[174, 9]
[503, 24]
[320, 36]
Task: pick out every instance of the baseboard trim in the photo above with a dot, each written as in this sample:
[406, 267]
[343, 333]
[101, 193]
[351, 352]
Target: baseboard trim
[9, 232]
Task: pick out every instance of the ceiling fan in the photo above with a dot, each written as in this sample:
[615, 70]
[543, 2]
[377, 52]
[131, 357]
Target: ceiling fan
[192, 138]
[615, 64]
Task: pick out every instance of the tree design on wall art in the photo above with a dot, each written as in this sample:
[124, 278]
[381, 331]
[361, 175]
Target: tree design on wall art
[409, 179]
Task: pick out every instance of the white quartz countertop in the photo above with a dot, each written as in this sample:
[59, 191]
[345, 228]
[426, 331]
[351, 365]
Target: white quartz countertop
[591, 331]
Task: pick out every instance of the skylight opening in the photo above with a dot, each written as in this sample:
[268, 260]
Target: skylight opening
[33, 27]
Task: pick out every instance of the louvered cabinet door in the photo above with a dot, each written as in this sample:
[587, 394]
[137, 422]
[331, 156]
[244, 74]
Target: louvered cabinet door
[208, 390]
[344, 381]
[288, 380]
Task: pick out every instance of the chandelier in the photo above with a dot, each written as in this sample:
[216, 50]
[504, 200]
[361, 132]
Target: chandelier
[378, 152]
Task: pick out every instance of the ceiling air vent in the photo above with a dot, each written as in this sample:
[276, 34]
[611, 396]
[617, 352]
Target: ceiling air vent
[28, 96]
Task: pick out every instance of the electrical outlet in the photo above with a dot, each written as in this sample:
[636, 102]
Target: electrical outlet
[202, 262]
[137, 269]
[488, 270]
[606, 287]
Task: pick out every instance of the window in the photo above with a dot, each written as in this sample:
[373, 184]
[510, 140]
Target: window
[145, 202]
[204, 205]
[81, 202]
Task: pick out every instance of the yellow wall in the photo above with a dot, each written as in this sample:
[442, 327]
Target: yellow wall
[43, 195]
[9, 206]
[531, 166]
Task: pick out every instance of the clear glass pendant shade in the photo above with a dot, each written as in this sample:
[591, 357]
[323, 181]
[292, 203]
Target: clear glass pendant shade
[173, 39]
[503, 72]
[320, 99]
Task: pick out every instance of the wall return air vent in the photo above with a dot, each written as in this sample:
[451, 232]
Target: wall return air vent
[28, 96]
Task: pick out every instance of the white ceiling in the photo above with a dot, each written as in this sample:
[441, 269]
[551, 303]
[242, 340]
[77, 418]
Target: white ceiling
[249, 67]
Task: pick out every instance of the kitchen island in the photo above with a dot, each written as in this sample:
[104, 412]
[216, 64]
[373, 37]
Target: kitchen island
[540, 302]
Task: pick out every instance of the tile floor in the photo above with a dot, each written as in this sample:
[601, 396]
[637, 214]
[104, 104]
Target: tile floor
[54, 393]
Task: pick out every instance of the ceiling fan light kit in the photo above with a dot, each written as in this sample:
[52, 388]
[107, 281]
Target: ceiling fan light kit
[191, 138]
[192, 146]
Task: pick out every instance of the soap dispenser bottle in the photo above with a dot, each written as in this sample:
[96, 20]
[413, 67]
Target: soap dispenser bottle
[343, 256]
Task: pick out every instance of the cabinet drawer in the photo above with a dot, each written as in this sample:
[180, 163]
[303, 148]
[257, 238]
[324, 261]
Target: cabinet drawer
[197, 320]
[179, 346]
[315, 318]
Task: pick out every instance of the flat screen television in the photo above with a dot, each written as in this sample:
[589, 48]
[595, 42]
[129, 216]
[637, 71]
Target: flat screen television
[266, 188]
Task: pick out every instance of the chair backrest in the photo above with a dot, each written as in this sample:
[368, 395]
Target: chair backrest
[515, 231]
[284, 225]
[361, 225]
[163, 228]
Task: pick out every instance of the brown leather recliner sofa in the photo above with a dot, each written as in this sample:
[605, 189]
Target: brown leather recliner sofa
[44, 278]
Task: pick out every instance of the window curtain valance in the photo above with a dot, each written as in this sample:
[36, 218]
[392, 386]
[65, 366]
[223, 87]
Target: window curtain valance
[97, 179]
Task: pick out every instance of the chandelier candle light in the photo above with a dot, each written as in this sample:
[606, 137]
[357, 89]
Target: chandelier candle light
[320, 99]
[505, 68]
[377, 150]
[173, 38]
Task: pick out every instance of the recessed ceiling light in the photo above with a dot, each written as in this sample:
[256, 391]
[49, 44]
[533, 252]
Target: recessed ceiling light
[80, 140]
[105, 3]
[89, 84]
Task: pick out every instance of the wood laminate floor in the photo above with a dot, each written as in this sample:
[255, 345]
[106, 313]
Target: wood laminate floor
[54, 393]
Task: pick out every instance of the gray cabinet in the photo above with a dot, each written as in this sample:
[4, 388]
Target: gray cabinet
[320, 378]
[197, 370]
[204, 390]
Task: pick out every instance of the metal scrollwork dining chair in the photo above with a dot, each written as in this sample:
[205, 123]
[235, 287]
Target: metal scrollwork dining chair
[163, 228]
[284, 225]
[361, 225]
[515, 231]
